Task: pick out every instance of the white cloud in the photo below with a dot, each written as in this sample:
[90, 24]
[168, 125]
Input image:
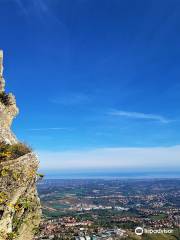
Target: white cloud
[140, 115]
[149, 157]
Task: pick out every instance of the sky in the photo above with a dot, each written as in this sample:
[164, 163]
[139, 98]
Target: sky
[97, 81]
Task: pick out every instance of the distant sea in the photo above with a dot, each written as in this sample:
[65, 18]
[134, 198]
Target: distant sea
[110, 174]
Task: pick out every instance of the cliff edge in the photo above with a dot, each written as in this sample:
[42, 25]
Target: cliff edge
[20, 209]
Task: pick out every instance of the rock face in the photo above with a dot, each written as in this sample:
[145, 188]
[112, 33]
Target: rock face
[7, 113]
[20, 209]
[2, 82]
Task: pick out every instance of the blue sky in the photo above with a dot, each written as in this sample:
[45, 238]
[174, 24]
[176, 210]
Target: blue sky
[94, 75]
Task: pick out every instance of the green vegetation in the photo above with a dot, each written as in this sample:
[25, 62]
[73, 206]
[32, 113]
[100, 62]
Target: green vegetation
[5, 99]
[11, 152]
[158, 217]
[23, 204]
[11, 236]
[3, 197]
[4, 172]
[16, 175]
[40, 175]
[16, 223]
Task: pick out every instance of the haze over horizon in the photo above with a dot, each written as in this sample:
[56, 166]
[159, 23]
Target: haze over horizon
[97, 82]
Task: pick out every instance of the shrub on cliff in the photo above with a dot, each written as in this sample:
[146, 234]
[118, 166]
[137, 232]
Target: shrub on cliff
[5, 99]
[10, 152]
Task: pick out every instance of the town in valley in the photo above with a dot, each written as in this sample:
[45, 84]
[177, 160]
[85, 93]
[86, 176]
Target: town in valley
[109, 209]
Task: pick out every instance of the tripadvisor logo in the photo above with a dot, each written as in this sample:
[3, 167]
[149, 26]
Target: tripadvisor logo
[139, 231]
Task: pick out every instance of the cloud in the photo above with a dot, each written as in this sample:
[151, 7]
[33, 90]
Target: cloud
[72, 99]
[22, 7]
[49, 129]
[105, 158]
[26, 6]
[39, 8]
[140, 115]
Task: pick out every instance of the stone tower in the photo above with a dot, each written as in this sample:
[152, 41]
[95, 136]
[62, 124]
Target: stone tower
[20, 210]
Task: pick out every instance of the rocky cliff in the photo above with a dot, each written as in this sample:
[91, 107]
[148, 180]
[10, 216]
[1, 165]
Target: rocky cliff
[20, 209]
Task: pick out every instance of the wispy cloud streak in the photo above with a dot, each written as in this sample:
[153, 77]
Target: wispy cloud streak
[139, 115]
[40, 8]
[21, 7]
[71, 99]
[49, 129]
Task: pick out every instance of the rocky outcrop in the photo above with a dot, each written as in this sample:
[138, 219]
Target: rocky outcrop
[7, 113]
[20, 209]
[2, 81]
